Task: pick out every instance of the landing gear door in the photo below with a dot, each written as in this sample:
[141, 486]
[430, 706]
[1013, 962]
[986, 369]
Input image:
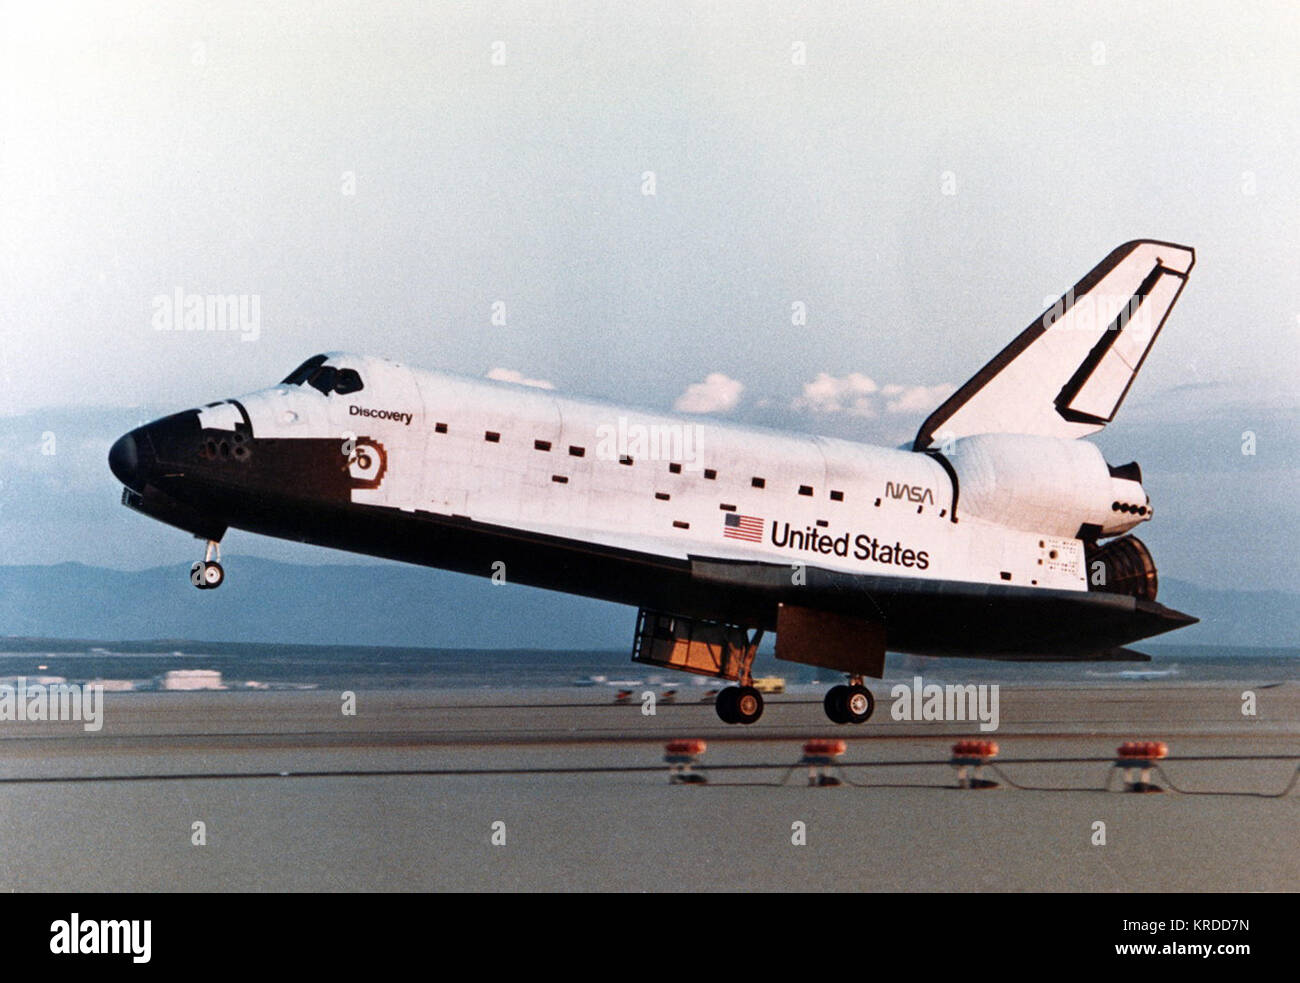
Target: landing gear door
[706, 648]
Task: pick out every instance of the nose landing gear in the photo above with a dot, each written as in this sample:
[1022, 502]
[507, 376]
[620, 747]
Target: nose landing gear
[208, 574]
[852, 704]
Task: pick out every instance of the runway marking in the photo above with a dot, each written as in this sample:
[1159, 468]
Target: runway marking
[787, 768]
[397, 740]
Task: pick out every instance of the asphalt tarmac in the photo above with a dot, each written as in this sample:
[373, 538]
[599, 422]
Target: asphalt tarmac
[564, 790]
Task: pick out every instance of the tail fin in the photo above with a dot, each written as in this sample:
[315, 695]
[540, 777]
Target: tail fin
[1067, 373]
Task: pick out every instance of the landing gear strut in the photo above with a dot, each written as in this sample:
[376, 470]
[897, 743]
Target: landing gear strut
[852, 704]
[742, 704]
[208, 574]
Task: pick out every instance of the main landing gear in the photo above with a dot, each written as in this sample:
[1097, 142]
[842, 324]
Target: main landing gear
[742, 704]
[852, 704]
[707, 648]
[208, 574]
[739, 705]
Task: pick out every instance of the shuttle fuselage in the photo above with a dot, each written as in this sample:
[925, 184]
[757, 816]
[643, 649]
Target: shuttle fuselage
[987, 538]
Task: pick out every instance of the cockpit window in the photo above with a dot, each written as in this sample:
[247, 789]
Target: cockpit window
[303, 372]
[323, 379]
[349, 381]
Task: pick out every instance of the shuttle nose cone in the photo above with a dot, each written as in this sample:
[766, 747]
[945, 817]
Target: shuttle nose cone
[158, 449]
[124, 460]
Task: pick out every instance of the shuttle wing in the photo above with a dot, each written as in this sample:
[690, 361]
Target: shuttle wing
[1067, 373]
[951, 618]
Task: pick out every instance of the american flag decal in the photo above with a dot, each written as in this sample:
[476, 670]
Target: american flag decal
[746, 527]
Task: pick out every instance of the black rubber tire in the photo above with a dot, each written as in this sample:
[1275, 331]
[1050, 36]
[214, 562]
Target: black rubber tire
[833, 704]
[856, 694]
[196, 575]
[725, 705]
[748, 704]
[214, 575]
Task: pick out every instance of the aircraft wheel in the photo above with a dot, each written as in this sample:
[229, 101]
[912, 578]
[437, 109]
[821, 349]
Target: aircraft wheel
[725, 705]
[207, 575]
[748, 704]
[834, 703]
[858, 704]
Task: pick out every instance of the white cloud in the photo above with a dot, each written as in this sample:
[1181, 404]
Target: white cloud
[858, 395]
[718, 393]
[511, 375]
[916, 399]
[838, 394]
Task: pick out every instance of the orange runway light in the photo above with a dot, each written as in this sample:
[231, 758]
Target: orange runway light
[1137, 758]
[681, 757]
[819, 756]
[969, 758]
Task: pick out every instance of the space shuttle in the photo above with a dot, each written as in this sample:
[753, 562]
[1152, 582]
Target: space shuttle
[1000, 532]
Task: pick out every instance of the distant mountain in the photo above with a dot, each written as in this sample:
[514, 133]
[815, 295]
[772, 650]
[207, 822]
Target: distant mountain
[1231, 617]
[266, 601]
[391, 604]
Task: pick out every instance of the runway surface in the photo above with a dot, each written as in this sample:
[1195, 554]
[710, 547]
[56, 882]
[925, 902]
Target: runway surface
[410, 793]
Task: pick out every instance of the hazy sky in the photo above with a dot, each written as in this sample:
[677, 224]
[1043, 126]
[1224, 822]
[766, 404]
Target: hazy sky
[380, 176]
